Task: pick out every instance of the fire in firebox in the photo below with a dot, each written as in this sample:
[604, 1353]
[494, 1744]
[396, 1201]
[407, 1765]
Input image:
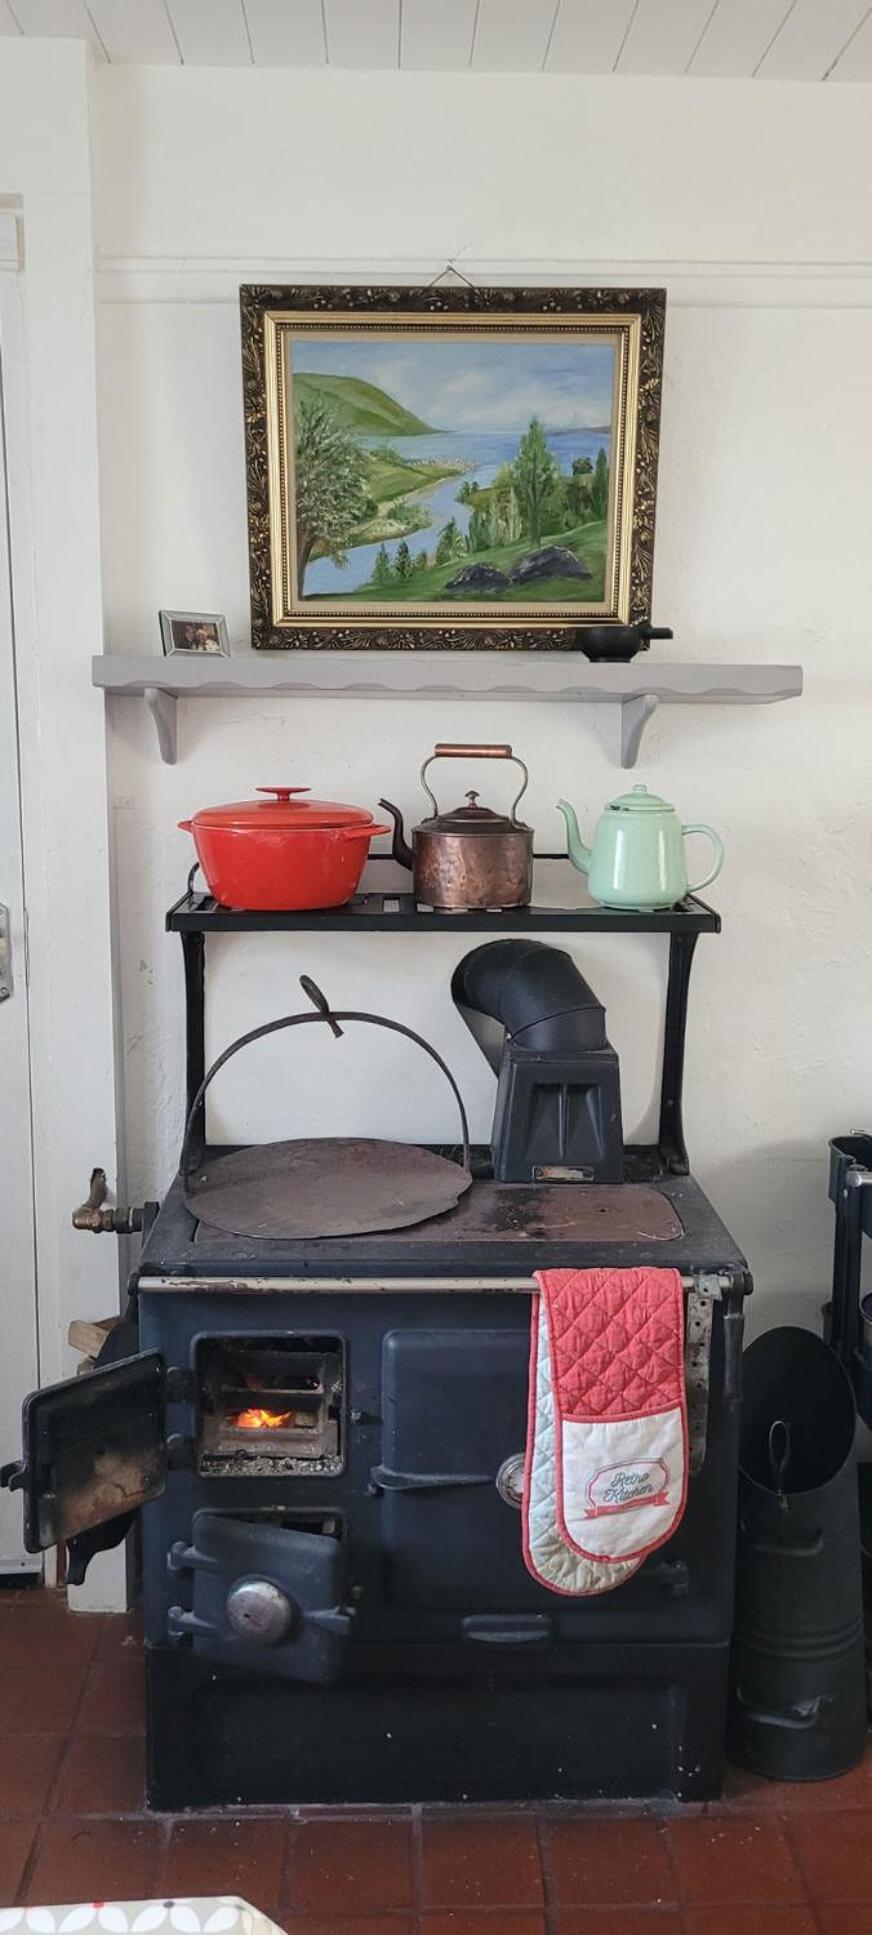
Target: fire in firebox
[273, 1401]
[256, 1419]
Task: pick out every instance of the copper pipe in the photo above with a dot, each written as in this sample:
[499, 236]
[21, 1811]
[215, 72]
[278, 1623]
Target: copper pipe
[443, 751]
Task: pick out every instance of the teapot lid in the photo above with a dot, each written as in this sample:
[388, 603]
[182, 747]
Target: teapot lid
[640, 801]
[470, 818]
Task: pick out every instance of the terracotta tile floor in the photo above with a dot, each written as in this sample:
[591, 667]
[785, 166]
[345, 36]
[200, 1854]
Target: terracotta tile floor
[767, 1860]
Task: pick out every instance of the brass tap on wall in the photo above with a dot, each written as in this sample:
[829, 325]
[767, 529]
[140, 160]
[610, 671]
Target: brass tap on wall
[101, 1221]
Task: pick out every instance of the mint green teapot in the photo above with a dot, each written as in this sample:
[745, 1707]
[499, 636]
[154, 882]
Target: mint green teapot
[637, 859]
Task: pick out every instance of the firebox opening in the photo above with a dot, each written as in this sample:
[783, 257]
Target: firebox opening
[329, 1525]
[270, 1405]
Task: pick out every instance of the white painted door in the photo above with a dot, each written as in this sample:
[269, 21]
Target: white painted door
[18, 1331]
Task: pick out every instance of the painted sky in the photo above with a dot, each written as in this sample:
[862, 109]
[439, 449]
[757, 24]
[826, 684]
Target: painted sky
[473, 384]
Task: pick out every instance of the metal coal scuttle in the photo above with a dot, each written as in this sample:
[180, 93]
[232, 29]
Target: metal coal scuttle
[318, 1413]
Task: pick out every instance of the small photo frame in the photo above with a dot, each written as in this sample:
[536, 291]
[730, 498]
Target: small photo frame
[185, 633]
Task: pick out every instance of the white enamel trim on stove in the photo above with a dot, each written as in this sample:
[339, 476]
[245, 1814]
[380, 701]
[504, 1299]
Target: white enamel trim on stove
[705, 1283]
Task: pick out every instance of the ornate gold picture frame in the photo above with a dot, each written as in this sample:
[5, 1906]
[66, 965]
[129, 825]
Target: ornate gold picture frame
[449, 468]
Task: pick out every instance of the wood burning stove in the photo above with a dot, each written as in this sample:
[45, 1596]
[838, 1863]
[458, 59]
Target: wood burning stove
[323, 1438]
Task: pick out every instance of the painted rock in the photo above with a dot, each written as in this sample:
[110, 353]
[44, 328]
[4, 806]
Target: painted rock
[553, 561]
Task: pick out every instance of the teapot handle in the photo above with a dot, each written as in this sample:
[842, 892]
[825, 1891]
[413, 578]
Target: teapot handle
[718, 847]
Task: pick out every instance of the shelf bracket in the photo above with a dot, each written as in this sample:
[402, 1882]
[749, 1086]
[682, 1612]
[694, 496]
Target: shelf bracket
[162, 706]
[635, 714]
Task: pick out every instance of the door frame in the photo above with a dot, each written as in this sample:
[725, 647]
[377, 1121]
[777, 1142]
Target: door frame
[11, 343]
[47, 306]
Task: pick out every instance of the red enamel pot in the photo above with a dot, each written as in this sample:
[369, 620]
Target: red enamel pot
[283, 853]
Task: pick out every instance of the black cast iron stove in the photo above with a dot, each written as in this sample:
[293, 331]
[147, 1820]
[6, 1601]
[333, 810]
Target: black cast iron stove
[324, 1436]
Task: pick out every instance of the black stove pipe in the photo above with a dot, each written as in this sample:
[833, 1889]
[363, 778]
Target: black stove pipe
[540, 1026]
[536, 994]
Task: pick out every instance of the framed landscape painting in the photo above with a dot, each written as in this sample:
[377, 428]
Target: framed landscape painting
[449, 468]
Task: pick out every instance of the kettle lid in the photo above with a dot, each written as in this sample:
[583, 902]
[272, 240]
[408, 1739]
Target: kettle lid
[470, 818]
[640, 801]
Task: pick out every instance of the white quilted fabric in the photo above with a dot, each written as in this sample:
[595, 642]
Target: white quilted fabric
[547, 1557]
[647, 1454]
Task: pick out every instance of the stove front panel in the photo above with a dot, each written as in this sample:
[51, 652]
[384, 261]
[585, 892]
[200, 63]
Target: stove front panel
[420, 1400]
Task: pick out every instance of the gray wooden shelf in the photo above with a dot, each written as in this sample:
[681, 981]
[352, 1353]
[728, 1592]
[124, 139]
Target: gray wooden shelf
[560, 678]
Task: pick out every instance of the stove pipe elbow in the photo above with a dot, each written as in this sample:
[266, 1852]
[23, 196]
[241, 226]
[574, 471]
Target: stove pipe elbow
[530, 992]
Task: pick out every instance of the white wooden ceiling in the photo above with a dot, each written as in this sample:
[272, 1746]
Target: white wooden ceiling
[777, 40]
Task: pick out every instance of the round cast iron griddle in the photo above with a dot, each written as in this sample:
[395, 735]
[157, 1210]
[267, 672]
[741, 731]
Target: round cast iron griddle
[342, 1186]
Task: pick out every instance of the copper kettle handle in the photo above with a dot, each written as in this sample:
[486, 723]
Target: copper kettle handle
[444, 751]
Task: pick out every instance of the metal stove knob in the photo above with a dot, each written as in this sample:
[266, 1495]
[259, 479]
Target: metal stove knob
[509, 1480]
[259, 1612]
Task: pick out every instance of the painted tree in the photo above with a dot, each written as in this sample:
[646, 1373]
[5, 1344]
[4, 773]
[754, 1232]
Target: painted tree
[403, 560]
[450, 543]
[382, 570]
[330, 484]
[599, 496]
[536, 476]
[505, 523]
[420, 561]
[478, 535]
[579, 489]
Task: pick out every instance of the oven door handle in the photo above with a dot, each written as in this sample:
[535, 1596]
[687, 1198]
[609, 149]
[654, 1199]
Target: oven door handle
[383, 1479]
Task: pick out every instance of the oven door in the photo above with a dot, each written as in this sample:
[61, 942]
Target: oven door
[93, 1450]
[451, 1481]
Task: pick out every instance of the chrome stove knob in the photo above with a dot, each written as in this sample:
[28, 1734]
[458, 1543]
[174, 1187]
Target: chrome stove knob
[509, 1480]
[259, 1612]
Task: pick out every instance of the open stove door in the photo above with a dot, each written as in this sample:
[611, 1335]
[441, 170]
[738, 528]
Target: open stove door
[93, 1450]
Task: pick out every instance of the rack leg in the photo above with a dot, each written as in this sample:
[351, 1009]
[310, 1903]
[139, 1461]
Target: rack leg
[194, 956]
[671, 1138]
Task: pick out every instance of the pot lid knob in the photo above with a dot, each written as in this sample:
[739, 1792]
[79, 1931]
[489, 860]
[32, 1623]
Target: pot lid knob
[283, 792]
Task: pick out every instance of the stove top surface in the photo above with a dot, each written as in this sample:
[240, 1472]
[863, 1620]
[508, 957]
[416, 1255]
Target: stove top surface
[494, 1229]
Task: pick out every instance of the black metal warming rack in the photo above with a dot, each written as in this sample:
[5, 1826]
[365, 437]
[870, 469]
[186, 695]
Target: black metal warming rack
[393, 911]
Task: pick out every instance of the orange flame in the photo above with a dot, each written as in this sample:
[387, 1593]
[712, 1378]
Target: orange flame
[257, 1420]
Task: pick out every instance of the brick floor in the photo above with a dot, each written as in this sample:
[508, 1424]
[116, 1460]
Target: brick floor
[768, 1859]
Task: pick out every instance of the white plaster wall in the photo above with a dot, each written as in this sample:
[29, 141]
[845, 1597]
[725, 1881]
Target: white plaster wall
[750, 204]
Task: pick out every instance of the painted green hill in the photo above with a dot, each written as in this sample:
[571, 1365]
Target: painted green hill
[360, 406]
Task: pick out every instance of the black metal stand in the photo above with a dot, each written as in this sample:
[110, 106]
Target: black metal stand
[671, 1134]
[196, 915]
[851, 1194]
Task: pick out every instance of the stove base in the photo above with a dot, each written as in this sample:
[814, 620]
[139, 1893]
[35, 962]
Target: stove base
[602, 1721]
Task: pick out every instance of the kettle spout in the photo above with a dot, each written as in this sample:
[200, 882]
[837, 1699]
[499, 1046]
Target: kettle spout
[579, 854]
[400, 849]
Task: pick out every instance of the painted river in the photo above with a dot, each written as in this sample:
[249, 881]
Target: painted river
[483, 451]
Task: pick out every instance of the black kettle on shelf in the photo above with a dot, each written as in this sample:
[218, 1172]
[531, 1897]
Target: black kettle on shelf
[617, 644]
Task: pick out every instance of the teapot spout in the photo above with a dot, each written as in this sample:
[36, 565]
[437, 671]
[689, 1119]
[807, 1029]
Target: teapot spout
[400, 848]
[579, 854]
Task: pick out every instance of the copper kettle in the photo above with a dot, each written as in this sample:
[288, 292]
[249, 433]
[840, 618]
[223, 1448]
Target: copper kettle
[471, 858]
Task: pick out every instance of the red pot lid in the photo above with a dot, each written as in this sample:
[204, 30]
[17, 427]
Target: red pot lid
[282, 812]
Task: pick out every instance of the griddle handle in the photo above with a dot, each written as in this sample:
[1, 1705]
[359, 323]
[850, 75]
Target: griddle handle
[319, 1000]
[332, 1019]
